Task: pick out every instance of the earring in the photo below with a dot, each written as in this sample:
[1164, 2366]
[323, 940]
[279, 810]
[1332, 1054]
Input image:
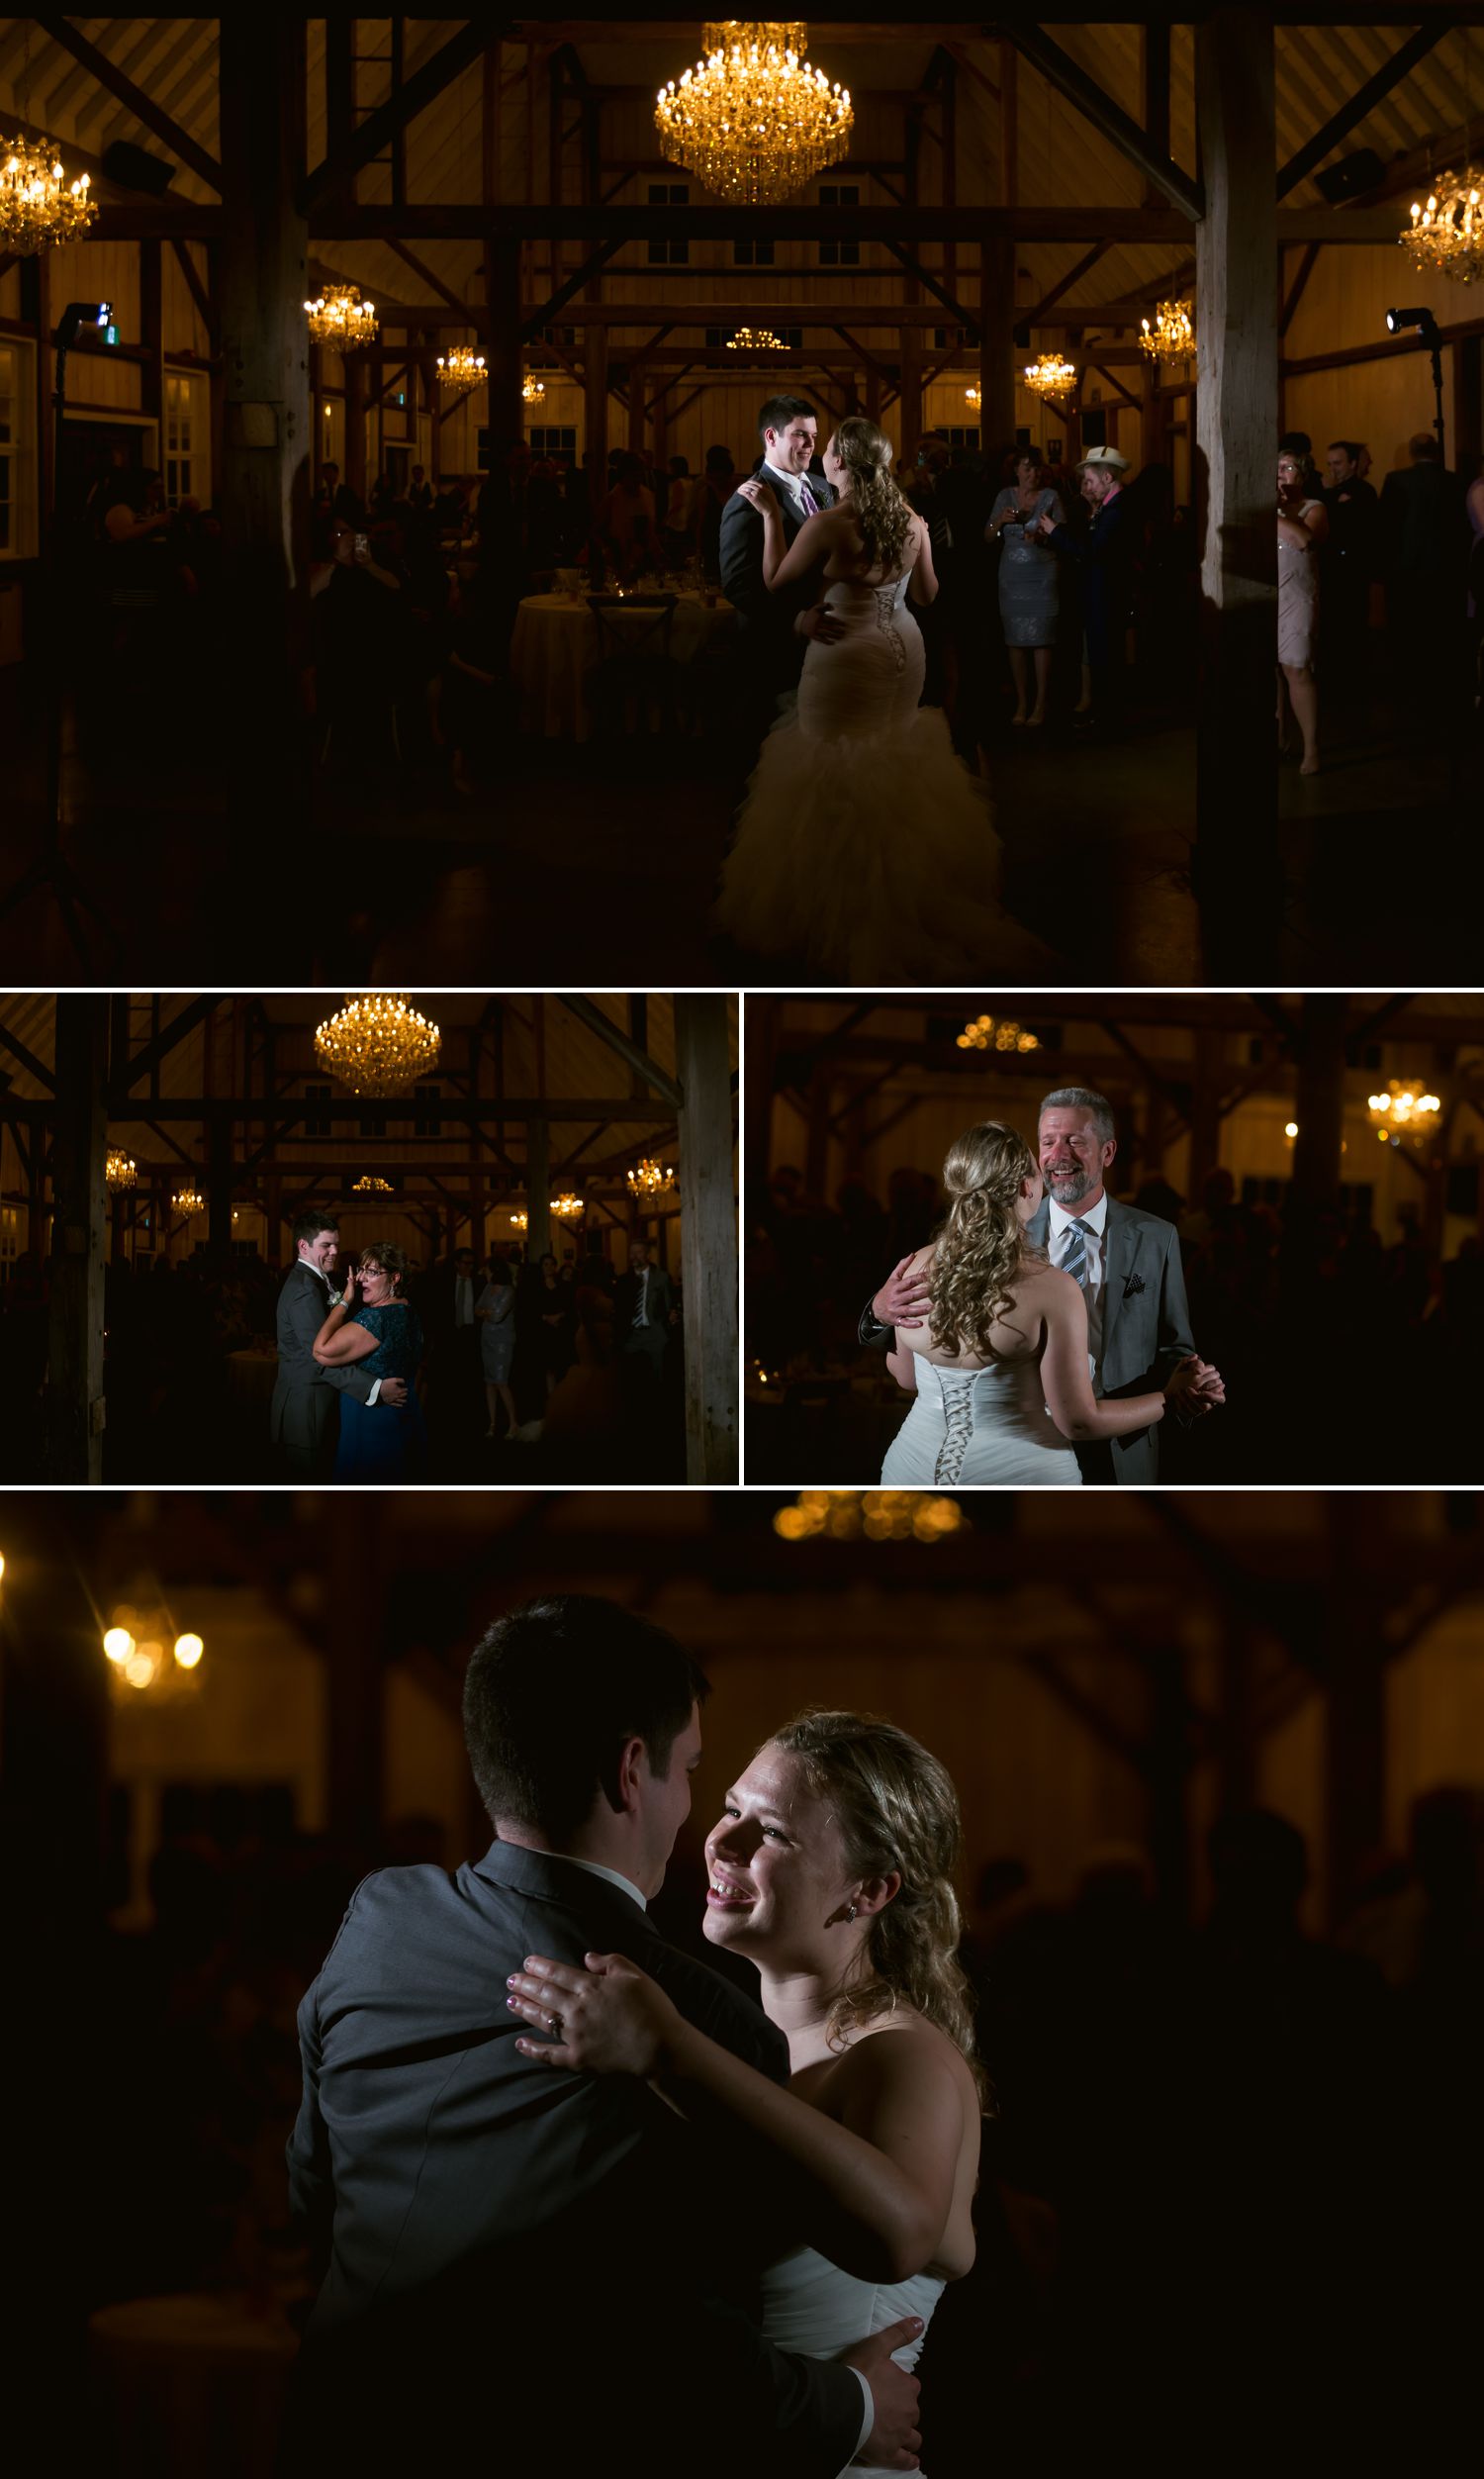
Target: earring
[850, 1913]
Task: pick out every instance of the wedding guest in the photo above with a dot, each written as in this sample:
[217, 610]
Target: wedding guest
[545, 1308]
[355, 637]
[420, 490]
[1029, 593]
[1303, 528]
[674, 521]
[644, 1309]
[1424, 541]
[1351, 564]
[495, 1312]
[1105, 555]
[713, 490]
[626, 521]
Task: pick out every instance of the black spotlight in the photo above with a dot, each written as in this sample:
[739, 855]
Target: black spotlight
[1397, 320]
[132, 169]
[1351, 177]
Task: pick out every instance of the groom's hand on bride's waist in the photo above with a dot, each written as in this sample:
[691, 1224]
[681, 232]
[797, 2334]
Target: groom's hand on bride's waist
[819, 624]
[904, 1298]
[895, 2442]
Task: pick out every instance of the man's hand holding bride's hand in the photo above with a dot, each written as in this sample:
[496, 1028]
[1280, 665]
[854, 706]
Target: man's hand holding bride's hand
[1195, 1388]
[904, 1298]
[895, 2440]
[610, 2018]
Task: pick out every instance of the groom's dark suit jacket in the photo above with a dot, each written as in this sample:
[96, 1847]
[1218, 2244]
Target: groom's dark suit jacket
[532, 2257]
[770, 642]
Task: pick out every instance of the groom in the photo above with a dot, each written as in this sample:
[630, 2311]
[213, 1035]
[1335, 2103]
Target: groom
[544, 2269]
[1128, 1265]
[305, 1416]
[774, 628]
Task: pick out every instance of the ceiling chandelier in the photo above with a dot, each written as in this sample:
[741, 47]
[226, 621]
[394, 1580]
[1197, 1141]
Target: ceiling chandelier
[752, 120]
[1449, 232]
[989, 1033]
[869, 1515]
[652, 1179]
[521, 1222]
[1051, 376]
[567, 1208]
[1172, 337]
[533, 391]
[40, 208]
[120, 1170]
[144, 1651]
[188, 1200]
[378, 1043]
[368, 1185]
[755, 340]
[1403, 1109]
[340, 318]
[973, 396]
[461, 368]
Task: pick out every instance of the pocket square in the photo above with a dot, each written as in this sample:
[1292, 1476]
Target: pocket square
[1134, 1284]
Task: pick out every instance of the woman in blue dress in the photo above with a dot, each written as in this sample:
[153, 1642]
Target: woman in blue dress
[378, 1441]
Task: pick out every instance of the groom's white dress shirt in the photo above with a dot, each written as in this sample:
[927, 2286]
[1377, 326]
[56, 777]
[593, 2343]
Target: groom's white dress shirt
[463, 1300]
[332, 1300]
[1093, 1225]
[789, 487]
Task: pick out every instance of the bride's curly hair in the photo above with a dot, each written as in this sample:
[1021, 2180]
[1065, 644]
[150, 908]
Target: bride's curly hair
[884, 516]
[982, 1247]
[896, 1809]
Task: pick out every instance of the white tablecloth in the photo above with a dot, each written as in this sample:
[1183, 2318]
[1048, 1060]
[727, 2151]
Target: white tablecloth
[556, 643]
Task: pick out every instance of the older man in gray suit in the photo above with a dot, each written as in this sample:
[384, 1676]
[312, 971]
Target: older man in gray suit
[306, 1417]
[1128, 1264]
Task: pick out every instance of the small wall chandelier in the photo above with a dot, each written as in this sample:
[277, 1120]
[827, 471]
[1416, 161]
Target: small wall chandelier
[145, 1652]
[40, 208]
[188, 1201]
[368, 1185]
[990, 1033]
[1051, 376]
[752, 120]
[974, 397]
[378, 1043]
[461, 369]
[652, 1179]
[869, 1515]
[521, 1222]
[120, 1170]
[532, 390]
[1403, 1109]
[1447, 232]
[340, 318]
[1171, 336]
[755, 340]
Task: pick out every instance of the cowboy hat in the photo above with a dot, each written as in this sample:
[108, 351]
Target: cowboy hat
[1103, 460]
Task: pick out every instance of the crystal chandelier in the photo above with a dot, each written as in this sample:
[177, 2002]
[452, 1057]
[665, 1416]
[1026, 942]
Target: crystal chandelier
[144, 1651]
[378, 1043]
[974, 397]
[461, 368]
[1447, 232]
[988, 1033]
[40, 208]
[1051, 376]
[521, 1222]
[533, 391]
[652, 1179]
[755, 340]
[120, 1170]
[567, 1208]
[1403, 1109]
[869, 1515]
[368, 1185]
[340, 318]
[752, 120]
[188, 1200]
[1172, 337]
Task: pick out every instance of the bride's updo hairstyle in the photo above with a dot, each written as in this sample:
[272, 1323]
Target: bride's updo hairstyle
[896, 1808]
[886, 519]
[981, 1246]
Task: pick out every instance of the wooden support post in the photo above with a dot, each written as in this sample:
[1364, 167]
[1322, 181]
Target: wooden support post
[1237, 862]
[503, 344]
[72, 1428]
[273, 1218]
[1153, 427]
[1319, 1105]
[153, 338]
[996, 347]
[537, 1188]
[1467, 426]
[355, 1664]
[596, 414]
[356, 425]
[1354, 1705]
[1205, 1110]
[265, 479]
[636, 385]
[219, 1188]
[709, 1238]
[909, 399]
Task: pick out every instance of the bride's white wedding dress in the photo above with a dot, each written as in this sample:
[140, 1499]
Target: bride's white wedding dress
[811, 2307]
[980, 1428]
[863, 844]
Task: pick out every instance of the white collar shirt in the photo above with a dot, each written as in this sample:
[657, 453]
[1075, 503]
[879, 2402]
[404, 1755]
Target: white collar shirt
[1094, 1224]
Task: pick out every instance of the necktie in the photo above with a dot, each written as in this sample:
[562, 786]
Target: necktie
[639, 1316]
[806, 500]
[1074, 1262]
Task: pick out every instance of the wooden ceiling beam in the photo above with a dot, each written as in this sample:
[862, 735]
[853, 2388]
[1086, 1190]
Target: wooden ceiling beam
[426, 83]
[144, 109]
[1349, 115]
[1072, 81]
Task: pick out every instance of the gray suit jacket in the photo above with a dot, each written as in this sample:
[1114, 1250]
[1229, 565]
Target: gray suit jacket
[306, 1412]
[484, 2218]
[769, 640]
[1146, 1321]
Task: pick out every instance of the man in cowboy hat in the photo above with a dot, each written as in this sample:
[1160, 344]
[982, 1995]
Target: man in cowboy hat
[1107, 555]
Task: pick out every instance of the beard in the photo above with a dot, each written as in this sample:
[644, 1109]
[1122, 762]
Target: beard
[1068, 1188]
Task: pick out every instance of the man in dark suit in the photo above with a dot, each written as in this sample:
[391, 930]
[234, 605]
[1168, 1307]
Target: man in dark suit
[1126, 1264]
[774, 628]
[305, 1414]
[446, 1302]
[643, 1308]
[529, 2264]
[1425, 546]
[1351, 562]
[1106, 555]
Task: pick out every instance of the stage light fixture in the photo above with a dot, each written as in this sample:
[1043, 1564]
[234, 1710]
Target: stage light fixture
[1397, 320]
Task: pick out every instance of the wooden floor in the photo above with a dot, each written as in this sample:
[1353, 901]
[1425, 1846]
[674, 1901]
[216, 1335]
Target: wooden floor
[575, 869]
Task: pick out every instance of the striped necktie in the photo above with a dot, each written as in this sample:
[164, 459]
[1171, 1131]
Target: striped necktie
[806, 500]
[1075, 1261]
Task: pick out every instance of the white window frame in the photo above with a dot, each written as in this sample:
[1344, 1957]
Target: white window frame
[19, 454]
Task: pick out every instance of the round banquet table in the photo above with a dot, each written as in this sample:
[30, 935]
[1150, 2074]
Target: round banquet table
[556, 644]
[191, 2384]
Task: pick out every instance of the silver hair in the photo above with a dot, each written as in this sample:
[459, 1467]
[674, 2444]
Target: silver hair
[1083, 1098]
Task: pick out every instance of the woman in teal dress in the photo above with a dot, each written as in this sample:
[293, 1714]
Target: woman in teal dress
[378, 1441]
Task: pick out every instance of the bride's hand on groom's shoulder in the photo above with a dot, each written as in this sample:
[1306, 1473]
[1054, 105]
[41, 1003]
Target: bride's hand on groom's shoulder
[758, 495]
[610, 2017]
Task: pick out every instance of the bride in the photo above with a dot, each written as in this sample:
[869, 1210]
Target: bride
[1000, 1364]
[830, 1869]
[864, 845]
